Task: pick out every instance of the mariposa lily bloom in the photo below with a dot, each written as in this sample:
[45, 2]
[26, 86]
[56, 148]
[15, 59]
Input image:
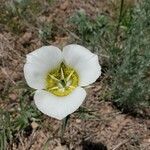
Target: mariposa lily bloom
[58, 77]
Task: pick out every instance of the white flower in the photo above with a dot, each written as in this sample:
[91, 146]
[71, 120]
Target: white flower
[59, 77]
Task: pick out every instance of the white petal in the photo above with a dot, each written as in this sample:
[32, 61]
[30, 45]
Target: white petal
[84, 62]
[39, 63]
[59, 107]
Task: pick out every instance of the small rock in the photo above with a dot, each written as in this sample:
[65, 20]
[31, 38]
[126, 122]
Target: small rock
[34, 125]
[78, 120]
[13, 96]
[60, 148]
[64, 5]
[42, 19]
[25, 38]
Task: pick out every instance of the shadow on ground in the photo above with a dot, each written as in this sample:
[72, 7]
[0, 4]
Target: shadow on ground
[87, 145]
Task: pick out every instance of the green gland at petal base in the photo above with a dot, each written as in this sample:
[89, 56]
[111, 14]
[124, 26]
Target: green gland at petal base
[62, 80]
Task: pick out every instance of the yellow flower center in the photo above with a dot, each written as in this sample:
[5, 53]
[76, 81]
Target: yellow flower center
[62, 80]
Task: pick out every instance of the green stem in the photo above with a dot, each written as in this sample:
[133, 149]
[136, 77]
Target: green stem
[63, 128]
[119, 21]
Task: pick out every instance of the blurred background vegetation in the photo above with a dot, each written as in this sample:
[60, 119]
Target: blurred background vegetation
[122, 43]
[125, 41]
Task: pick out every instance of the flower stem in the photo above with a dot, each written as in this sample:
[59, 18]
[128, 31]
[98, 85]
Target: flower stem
[63, 128]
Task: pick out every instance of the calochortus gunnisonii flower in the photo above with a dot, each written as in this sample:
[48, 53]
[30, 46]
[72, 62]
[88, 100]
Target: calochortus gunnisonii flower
[58, 77]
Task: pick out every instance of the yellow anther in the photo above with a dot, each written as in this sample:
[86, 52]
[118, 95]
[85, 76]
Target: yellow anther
[72, 87]
[54, 88]
[54, 78]
[68, 78]
[62, 74]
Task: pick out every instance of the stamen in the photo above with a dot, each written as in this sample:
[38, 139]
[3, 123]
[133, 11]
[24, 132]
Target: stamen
[68, 83]
[72, 87]
[68, 78]
[54, 78]
[60, 85]
[62, 74]
[62, 89]
[54, 88]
